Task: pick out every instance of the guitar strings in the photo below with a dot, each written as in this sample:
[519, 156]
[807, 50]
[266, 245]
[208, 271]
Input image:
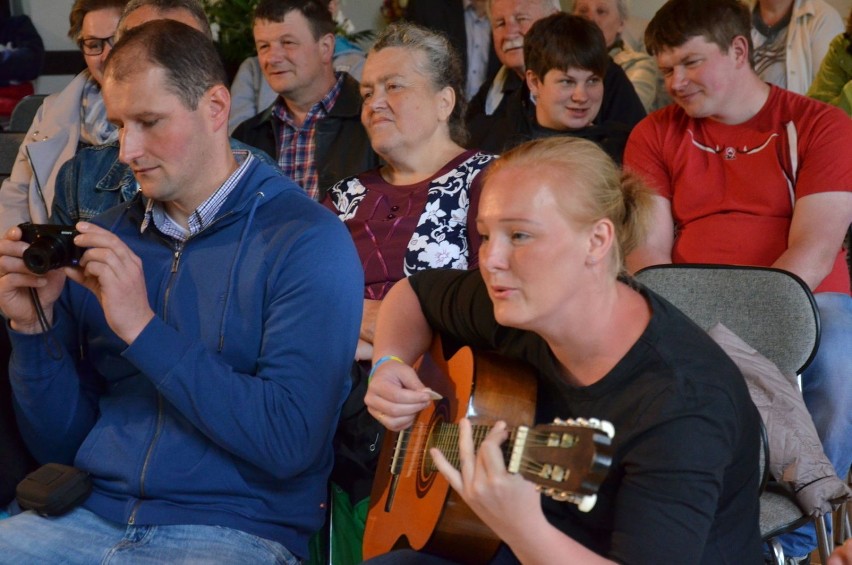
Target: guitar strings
[445, 438]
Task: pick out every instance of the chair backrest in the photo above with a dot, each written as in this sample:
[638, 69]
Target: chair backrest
[9, 144]
[24, 112]
[772, 310]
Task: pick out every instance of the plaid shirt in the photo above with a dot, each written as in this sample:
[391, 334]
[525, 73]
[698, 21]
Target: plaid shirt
[205, 214]
[297, 146]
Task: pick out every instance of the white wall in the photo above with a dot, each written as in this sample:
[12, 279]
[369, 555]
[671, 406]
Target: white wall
[51, 19]
[364, 13]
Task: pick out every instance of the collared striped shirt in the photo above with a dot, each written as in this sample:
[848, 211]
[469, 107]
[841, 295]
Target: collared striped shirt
[204, 215]
[297, 145]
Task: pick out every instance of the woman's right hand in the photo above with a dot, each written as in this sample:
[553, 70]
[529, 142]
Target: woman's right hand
[395, 395]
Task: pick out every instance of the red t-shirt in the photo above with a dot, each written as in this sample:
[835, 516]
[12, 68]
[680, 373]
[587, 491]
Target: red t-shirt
[733, 187]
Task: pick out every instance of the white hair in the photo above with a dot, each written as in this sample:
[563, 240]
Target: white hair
[554, 4]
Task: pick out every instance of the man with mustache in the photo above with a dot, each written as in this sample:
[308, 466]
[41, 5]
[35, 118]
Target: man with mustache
[510, 21]
[314, 128]
[749, 173]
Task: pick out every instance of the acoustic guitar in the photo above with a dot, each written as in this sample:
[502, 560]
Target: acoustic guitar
[413, 506]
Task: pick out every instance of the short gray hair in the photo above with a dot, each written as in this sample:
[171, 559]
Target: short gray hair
[621, 6]
[554, 4]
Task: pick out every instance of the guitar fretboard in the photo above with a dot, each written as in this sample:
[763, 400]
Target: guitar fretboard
[446, 438]
[413, 446]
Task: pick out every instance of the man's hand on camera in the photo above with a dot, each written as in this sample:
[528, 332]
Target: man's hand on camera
[114, 274]
[15, 282]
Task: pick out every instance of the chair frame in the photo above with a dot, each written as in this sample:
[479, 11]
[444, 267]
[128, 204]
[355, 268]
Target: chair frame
[646, 277]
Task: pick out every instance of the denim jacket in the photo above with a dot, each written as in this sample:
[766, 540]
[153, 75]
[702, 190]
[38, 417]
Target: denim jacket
[111, 180]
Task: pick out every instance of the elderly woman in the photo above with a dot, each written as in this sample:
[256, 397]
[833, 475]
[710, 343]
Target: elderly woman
[641, 69]
[549, 291]
[411, 214]
[66, 121]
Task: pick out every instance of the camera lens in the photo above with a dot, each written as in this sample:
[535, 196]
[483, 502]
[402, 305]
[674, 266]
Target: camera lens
[44, 254]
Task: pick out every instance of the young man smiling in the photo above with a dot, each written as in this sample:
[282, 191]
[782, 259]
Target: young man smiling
[511, 20]
[566, 60]
[748, 173]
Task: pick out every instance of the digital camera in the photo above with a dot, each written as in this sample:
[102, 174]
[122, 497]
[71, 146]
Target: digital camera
[51, 247]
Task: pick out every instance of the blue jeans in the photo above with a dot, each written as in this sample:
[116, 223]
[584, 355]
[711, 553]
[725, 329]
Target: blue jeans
[827, 388]
[82, 537]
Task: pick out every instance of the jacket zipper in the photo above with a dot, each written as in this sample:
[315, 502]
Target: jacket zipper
[132, 520]
[157, 433]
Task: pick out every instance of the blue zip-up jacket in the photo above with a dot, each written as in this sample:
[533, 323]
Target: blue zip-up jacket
[222, 411]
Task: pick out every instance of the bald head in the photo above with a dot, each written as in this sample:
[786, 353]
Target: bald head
[189, 58]
[189, 12]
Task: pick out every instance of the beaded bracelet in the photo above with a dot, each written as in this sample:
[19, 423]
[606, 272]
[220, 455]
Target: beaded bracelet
[381, 360]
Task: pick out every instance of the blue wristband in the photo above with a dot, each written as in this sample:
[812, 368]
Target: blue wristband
[381, 360]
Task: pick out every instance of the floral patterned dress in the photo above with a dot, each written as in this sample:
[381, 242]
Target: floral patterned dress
[399, 230]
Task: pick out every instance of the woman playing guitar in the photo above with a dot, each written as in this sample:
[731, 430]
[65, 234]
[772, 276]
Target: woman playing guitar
[556, 219]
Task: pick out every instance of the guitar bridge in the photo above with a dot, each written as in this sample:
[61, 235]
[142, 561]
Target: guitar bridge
[399, 452]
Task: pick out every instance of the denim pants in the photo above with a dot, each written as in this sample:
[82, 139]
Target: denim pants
[827, 389]
[82, 537]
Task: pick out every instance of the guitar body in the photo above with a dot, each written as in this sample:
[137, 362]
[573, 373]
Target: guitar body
[416, 507]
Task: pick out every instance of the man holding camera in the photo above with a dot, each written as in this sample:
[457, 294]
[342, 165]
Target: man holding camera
[195, 366]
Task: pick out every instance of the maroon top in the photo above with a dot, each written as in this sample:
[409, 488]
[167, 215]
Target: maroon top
[385, 220]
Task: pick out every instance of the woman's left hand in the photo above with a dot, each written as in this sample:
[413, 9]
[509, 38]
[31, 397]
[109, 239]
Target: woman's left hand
[506, 502]
[364, 350]
[368, 320]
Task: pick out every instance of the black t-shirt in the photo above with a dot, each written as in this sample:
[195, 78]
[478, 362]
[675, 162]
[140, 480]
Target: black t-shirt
[683, 485]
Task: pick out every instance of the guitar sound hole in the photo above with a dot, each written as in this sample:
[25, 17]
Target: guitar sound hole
[426, 472]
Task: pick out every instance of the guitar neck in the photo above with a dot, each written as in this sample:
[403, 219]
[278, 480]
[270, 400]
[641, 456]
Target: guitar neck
[446, 438]
[543, 454]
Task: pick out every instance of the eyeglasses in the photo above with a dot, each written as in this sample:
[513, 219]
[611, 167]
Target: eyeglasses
[95, 45]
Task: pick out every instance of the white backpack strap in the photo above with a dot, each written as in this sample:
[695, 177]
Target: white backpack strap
[792, 145]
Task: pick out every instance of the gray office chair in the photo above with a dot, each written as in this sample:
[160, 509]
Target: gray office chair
[9, 145]
[774, 312]
[24, 112]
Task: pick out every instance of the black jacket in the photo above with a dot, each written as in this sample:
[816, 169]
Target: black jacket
[447, 16]
[620, 104]
[519, 124]
[343, 148]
